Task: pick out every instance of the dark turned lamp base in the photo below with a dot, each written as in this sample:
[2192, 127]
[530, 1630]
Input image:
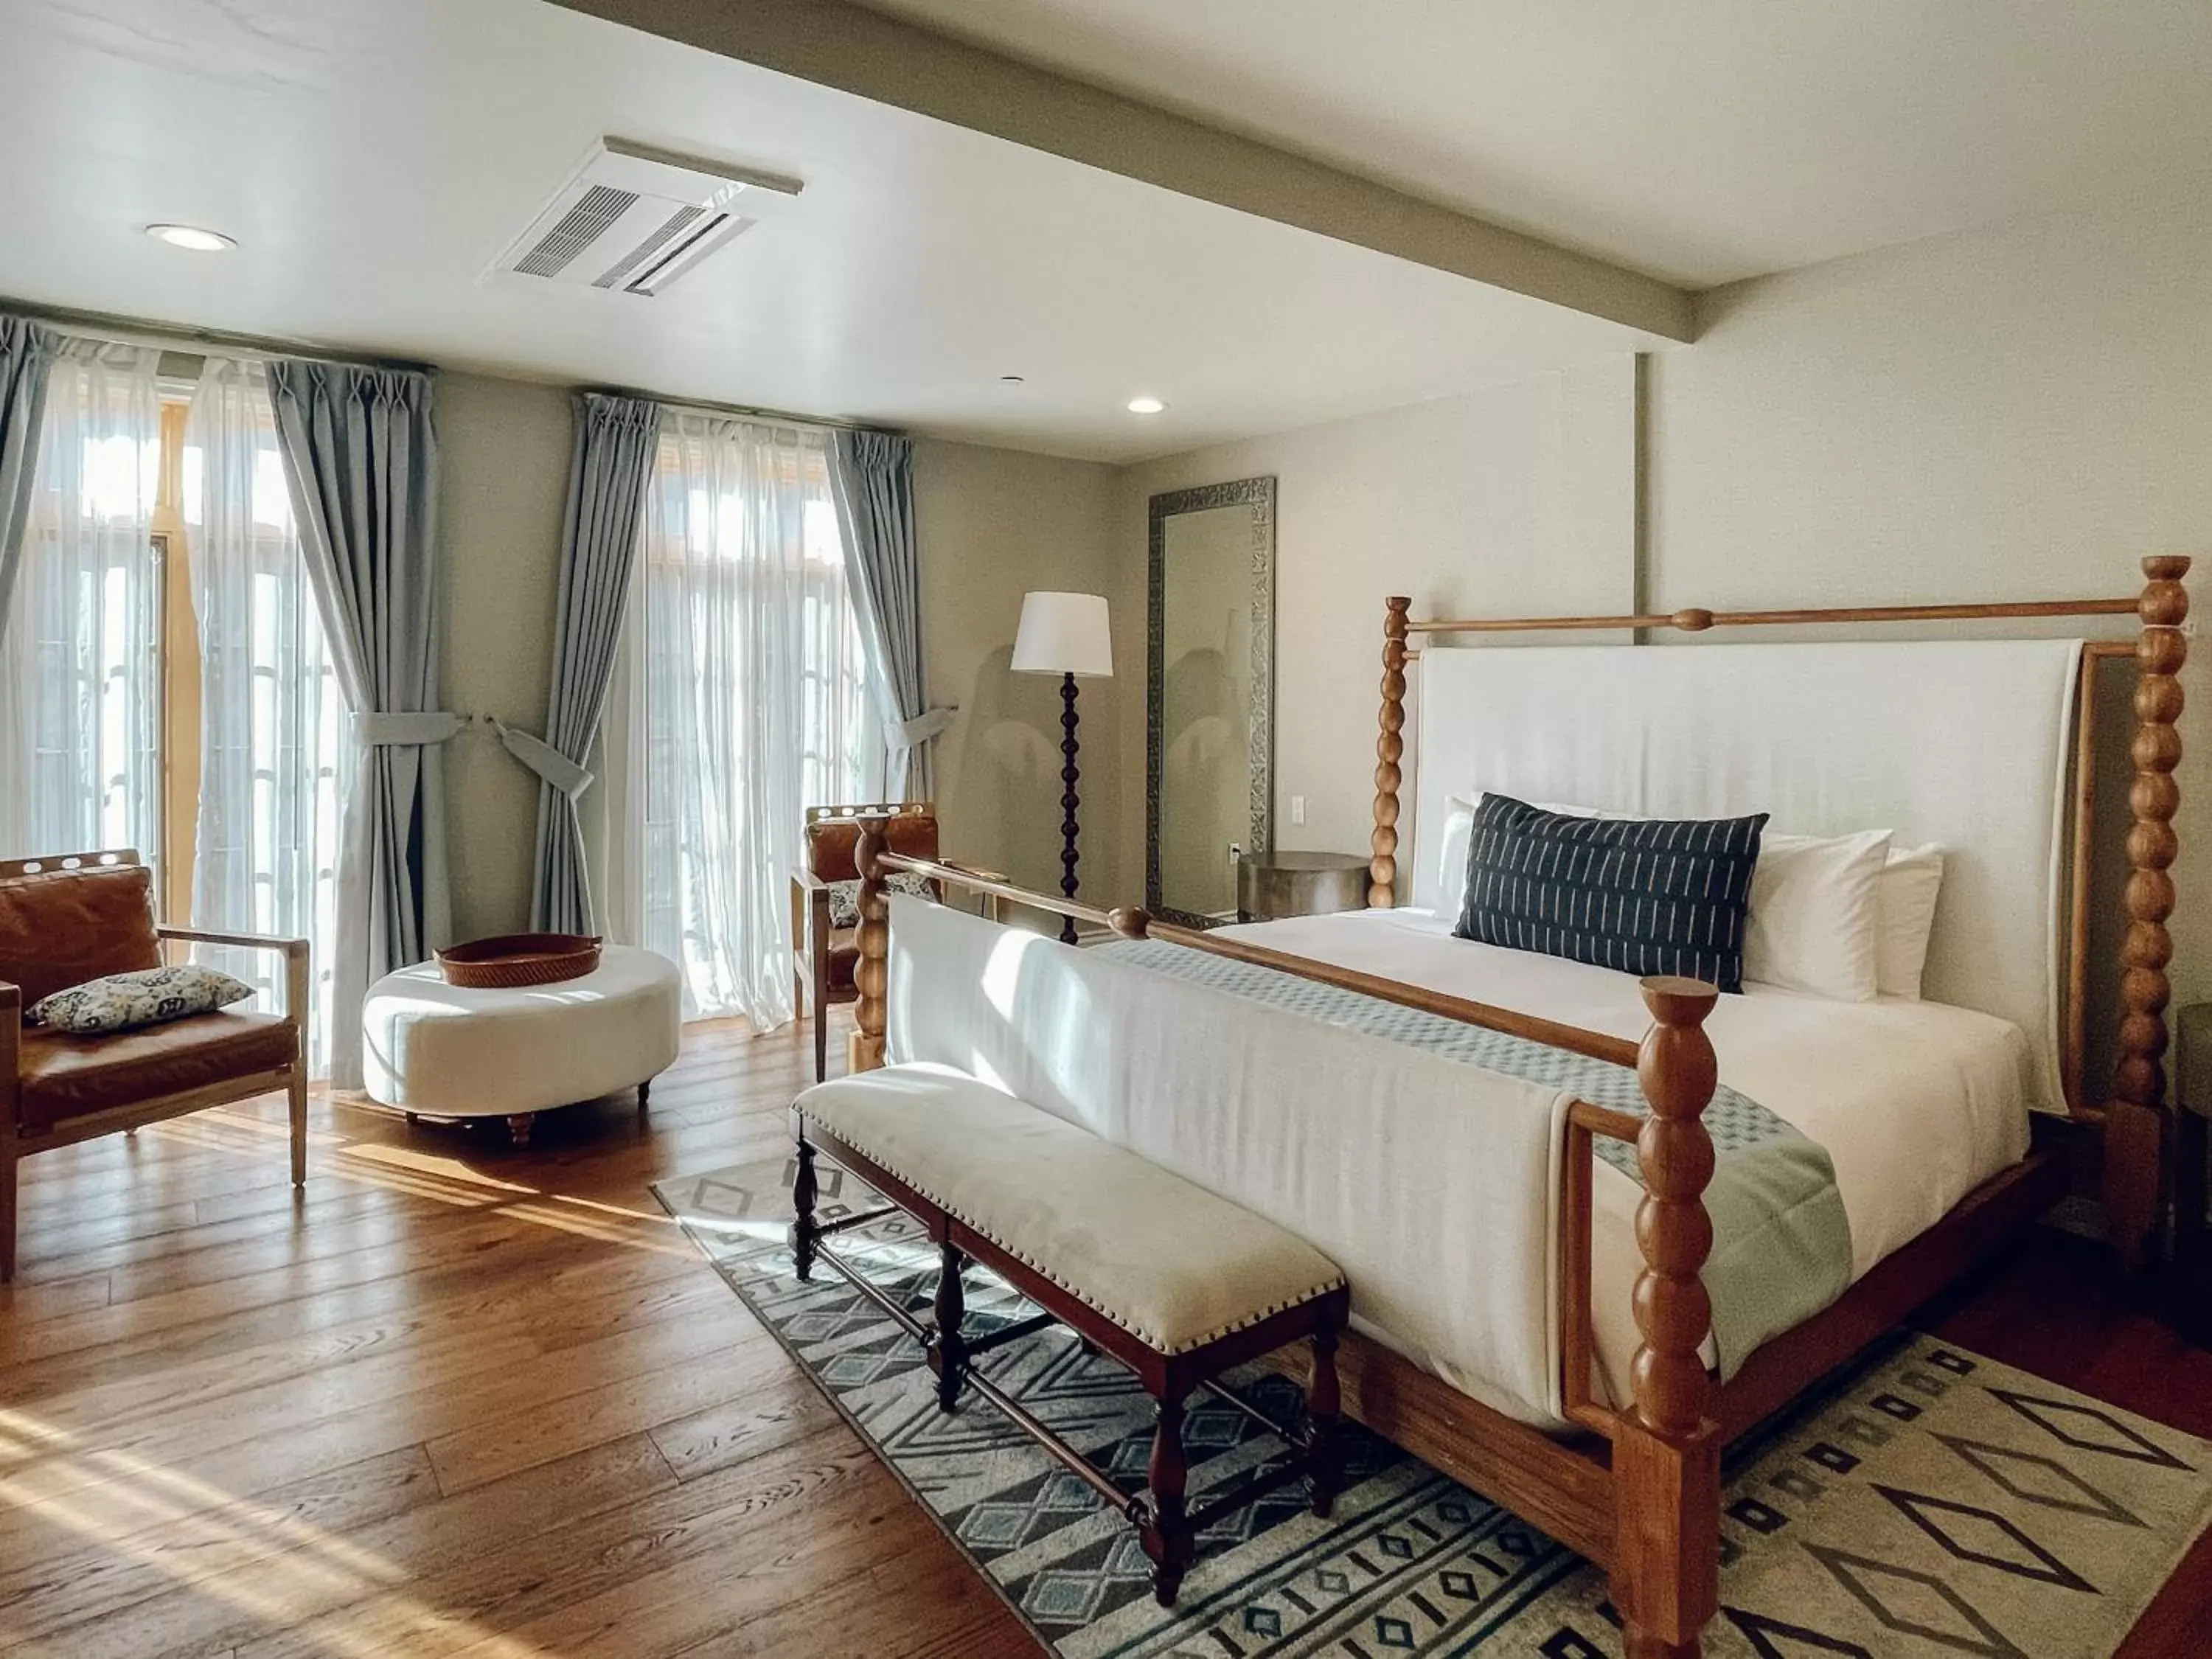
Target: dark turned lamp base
[1068, 775]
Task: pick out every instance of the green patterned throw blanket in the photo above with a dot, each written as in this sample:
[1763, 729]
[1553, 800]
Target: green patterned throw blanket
[1782, 1245]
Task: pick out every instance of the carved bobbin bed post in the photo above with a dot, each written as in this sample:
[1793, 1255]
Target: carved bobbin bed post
[2136, 1125]
[1665, 1450]
[872, 973]
[1389, 748]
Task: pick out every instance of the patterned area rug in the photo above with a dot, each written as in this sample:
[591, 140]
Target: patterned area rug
[1933, 1503]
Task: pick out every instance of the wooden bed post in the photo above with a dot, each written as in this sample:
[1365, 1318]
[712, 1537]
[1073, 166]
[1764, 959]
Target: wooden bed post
[1665, 1450]
[1389, 748]
[2136, 1125]
[872, 973]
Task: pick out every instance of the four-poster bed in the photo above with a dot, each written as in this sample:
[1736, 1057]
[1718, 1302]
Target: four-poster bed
[1622, 1464]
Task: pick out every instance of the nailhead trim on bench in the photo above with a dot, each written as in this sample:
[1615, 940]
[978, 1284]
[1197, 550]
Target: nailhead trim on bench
[1039, 1268]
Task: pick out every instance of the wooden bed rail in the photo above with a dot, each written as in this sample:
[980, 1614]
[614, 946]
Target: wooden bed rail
[1132, 923]
[1697, 621]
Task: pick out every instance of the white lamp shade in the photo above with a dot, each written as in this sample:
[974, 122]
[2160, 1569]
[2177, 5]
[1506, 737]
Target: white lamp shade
[1064, 633]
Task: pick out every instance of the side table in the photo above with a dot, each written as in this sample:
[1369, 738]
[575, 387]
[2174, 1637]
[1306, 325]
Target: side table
[1273, 885]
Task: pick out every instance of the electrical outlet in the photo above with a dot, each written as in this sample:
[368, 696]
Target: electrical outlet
[1298, 809]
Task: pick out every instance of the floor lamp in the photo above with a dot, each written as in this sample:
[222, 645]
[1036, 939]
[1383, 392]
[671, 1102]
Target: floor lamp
[1064, 633]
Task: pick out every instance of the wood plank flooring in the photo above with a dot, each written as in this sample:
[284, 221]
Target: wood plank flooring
[455, 1399]
[461, 1400]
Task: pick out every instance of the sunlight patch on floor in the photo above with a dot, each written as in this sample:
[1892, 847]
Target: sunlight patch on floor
[265, 1563]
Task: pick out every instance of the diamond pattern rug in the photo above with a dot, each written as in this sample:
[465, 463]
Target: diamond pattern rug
[1933, 1503]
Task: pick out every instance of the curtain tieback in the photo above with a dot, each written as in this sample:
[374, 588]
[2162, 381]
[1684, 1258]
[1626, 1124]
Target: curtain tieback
[543, 759]
[406, 731]
[912, 734]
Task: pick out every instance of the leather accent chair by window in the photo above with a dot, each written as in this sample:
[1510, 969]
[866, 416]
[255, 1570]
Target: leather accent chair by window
[82, 916]
[826, 954]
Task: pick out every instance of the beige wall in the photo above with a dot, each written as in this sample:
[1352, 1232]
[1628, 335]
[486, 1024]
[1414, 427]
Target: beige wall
[992, 523]
[2020, 412]
[1518, 496]
[503, 482]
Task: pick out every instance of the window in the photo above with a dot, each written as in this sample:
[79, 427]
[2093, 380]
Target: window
[752, 701]
[80, 754]
[164, 683]
[264, 755]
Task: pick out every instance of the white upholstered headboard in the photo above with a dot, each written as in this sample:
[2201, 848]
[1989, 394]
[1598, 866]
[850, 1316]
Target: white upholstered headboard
[1966, 743]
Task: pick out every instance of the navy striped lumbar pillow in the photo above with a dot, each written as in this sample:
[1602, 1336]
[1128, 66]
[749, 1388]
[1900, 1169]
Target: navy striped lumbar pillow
[1645, 896]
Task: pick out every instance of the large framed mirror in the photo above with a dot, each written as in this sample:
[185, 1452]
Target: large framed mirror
[1210, 695]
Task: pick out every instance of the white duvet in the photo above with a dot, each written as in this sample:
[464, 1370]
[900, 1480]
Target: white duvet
[1433, 1185]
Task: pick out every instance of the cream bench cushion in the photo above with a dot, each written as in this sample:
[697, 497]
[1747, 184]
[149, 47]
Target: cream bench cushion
[1168, 1261]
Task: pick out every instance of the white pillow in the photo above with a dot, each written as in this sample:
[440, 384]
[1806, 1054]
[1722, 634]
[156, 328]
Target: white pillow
[1904, 904]
[1451, 863]
[1459, 831]
[1815, 914]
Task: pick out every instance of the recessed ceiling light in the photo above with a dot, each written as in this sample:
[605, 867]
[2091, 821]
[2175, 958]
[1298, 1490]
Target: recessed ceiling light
[1145, 406]
[192, 237]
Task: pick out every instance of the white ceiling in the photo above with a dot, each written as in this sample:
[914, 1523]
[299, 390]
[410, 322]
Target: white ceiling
[1699, 142]
[372, 159]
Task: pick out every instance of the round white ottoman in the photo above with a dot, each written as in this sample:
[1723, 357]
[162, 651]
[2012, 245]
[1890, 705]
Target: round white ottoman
[439, 1050]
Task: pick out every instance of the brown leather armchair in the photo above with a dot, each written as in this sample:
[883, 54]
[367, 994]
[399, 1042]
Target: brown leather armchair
[82, 916]
[827, 955]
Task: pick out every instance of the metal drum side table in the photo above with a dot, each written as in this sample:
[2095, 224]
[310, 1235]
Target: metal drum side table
[1273, 885]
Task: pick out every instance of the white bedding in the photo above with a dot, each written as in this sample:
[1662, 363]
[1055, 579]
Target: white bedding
[1917, 1103]
[1434, 1185]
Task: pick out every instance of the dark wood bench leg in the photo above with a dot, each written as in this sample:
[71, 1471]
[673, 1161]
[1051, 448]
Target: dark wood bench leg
[1324, 1450]
[949, 1354]
[802, 1202]
[1166, 1538]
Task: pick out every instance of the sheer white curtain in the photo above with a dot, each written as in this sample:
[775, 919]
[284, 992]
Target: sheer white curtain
[743, 699]
[80, 663]
[274, 766]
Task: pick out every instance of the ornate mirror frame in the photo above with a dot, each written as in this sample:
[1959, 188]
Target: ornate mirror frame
[1259, 495]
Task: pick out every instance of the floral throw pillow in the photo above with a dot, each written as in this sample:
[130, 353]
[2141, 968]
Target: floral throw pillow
[124, 1002]
[845, 896]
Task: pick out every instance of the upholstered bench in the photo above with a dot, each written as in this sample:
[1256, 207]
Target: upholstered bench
[452, 1051]
[1174, 1282]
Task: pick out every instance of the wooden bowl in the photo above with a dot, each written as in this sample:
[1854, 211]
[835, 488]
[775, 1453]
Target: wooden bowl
[512, 960]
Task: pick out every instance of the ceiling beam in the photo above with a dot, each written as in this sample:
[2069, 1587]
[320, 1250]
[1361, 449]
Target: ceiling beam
[834, 43]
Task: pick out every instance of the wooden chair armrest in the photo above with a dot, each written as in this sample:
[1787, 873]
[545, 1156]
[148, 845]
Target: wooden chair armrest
[810, 914]
[290, 947]
[294, 952]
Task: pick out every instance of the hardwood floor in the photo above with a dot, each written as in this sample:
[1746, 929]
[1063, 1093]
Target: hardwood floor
[459, 1400]
[462, 1399]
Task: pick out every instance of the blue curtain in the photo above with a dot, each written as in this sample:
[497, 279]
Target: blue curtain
[361, 458]
[27, 350]
[608, 472]
[872, 482]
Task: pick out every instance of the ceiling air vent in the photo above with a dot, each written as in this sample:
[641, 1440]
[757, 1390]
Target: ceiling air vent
[635, 220]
